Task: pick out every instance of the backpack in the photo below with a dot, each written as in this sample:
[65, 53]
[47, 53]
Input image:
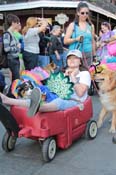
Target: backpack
[3, 54]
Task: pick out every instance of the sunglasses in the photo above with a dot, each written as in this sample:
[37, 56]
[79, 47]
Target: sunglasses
[84, 13]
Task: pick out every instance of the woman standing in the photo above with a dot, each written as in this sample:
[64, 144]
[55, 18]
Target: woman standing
[44, 58]
[81, 29]
[102, 51]
[31, 39]
[56, 50]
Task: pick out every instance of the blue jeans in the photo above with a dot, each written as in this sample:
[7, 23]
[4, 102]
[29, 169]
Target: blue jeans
[59, 63]
[65, 58]
[14, 66]
[43, 60]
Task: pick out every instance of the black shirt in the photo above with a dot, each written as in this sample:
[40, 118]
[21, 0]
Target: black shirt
[55, 44]
[44, 44]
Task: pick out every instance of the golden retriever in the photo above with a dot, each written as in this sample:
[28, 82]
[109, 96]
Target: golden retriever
[107, 92]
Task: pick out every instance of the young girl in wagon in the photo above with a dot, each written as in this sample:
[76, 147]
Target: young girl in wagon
[80, 79]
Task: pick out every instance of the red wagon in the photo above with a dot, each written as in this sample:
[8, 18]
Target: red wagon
[53, 129]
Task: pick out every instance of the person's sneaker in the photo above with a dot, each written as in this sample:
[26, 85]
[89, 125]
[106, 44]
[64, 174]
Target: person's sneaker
[35, 102]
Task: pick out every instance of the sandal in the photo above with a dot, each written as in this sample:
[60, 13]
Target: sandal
[35, 102]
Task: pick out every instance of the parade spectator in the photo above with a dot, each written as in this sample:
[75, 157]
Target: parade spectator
[31, 32]
[19, 37]
[56, 50]
[102, 51]
[44, 42]
[113, 37]
[80, 33]
[81, 79]
[98, 41]
[12, 45]
[65, 47]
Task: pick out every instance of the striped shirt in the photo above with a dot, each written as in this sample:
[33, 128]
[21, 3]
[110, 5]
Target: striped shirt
[10, 45]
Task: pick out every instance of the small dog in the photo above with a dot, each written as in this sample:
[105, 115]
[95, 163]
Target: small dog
[107, 92]
[25, 89]
[50, 68]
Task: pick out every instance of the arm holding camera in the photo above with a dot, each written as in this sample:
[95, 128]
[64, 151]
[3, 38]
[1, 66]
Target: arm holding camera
[42, 24]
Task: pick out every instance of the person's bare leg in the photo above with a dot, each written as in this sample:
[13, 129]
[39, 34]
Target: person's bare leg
[47, 107]
[11, 101]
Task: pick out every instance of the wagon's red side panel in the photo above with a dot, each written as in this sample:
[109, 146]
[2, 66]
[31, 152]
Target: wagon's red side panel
[76, 123]
[66, 125]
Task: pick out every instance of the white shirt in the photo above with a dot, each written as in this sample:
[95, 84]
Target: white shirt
[31, 41]
[84, 78]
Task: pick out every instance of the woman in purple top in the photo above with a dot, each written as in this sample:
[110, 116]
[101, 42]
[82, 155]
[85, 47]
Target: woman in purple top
[102, 51]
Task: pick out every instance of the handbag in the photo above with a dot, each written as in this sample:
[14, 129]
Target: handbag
[112, 49]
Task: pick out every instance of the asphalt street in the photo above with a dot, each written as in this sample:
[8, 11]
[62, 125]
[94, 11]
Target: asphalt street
[84, 157]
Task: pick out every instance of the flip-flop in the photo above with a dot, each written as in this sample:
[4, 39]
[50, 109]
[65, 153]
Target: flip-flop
[35, 101]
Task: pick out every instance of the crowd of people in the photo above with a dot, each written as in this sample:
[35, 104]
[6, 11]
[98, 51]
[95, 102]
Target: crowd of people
[38, 43]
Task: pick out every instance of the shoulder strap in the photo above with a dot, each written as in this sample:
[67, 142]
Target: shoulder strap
[75, 33]
[8, 34]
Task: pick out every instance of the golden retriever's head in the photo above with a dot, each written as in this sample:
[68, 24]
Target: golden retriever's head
[106, 80]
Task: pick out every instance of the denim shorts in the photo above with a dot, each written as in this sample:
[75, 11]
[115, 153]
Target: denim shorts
[65, 104]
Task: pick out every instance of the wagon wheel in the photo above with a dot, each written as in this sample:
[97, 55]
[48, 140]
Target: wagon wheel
[8, 142]
[49, 149]
[91, 130]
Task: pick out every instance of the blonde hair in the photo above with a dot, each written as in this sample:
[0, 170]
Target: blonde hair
[30, 23]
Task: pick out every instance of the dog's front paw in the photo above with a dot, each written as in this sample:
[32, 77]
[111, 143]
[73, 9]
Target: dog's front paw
[112, 130]
[99, 123]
